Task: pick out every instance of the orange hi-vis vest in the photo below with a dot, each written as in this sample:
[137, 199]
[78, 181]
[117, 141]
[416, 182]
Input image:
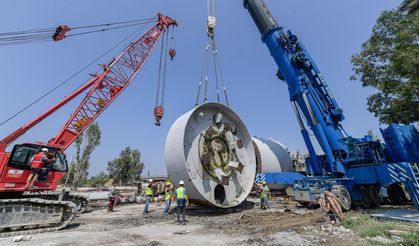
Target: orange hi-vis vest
[37, 161]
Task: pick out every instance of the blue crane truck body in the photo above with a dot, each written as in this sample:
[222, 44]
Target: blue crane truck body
[354, 169]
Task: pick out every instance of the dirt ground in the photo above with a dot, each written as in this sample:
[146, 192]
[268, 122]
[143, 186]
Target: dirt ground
[280, 225]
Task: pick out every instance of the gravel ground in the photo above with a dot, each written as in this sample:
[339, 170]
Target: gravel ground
[244, 226]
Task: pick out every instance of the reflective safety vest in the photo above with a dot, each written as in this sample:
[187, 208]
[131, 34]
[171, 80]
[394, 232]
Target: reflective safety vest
[167, 196]
[180, 193]
[265, 192]
[260, 192]
[38, 160]
[149, 191]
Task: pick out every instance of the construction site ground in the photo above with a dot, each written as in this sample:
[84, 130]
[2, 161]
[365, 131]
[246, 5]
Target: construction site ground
[249, 225]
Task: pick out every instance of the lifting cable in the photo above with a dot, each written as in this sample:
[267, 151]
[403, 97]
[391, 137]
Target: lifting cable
[57, 34]
[130, 37]
[161, 76]
[218, 75]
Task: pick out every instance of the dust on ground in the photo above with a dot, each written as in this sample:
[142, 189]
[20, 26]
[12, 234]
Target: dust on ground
[249, 225]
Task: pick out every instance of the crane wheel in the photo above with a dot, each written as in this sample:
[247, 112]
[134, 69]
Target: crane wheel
[345, 199]
[375, 196]
[365, 201]
[397, 194]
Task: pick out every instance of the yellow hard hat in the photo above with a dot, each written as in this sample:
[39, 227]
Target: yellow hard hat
[264, 182]
[259, 184]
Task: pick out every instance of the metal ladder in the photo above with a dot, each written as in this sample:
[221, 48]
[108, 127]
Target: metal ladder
[414, 168]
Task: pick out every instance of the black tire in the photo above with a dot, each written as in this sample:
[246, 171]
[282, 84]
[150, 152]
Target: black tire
[304, 204]
[397, 194]
[344, 197]
[393, 194]
[365, 201]
[375, 196]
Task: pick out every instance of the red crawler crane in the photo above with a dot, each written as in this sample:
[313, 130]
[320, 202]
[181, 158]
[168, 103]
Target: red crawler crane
[102, 90]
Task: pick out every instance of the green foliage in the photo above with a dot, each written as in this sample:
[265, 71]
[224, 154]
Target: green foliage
[365, 226]
[411, 239]
[127, 168]
[389, 63]
[410, 6]
[79, 169]
[98, 180]
[377, 229]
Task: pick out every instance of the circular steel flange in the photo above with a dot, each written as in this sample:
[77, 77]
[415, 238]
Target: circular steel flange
[272, 157]
[210, 149]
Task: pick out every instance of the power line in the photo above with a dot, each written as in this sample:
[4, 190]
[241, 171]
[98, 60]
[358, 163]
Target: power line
[131, 35]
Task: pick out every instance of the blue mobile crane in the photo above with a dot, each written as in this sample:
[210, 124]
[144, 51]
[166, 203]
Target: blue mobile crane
[354, 169]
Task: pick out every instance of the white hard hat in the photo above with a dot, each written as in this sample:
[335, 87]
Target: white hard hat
[44, 150]
[150, 180]
[181, 182]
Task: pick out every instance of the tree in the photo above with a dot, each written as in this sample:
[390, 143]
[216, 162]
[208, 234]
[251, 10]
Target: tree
[389, 62]
[98, 180]
[79, 169]
[127, 168]
[411, 6]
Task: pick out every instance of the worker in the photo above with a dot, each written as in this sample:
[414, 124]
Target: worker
[113, 192]
[182, 201]
[168, 198]
[38, 162]
[265, 194]
[148, 194]
[259, 193]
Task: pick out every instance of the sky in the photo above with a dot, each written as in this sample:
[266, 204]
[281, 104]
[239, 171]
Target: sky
[331, 30]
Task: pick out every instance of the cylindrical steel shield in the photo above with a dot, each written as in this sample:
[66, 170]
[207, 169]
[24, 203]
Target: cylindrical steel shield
[210, 149]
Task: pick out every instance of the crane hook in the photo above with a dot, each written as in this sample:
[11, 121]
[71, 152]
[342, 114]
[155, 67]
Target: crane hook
[158, 114]
[172, 53]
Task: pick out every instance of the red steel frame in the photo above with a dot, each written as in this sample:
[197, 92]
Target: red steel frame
[105, 88]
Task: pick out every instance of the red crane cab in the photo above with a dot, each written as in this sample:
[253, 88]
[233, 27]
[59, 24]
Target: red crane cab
[15, 168]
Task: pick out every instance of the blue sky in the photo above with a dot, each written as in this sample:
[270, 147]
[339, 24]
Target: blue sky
[331, 30]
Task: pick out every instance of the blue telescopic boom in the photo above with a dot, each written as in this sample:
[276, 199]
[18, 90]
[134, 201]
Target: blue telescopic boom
[310, 96]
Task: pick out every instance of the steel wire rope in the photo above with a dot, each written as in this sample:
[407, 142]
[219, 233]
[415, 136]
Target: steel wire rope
[28, 31]
[102, 30]
[206, 73]
[26, 41]
[159, 73]
[163, 92]
[215, 70]
[202, 75]
[217, 64]
[207, 56]
[74, 75]
[114, 23]
[222, 76]
[45, 34]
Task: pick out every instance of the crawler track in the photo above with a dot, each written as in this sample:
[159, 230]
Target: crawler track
[82, 202]
[34, 215]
